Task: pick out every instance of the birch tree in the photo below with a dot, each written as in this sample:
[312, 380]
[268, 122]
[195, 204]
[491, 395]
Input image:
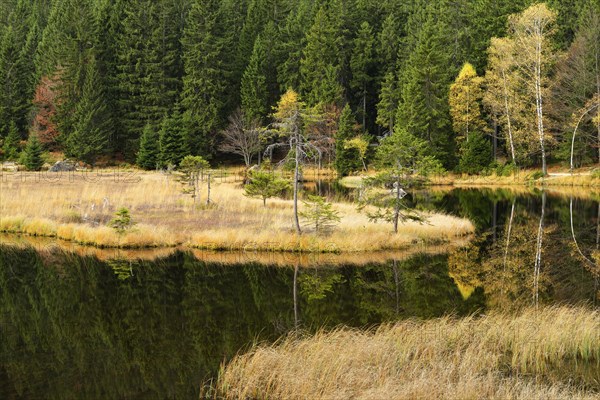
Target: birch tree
[530, 32]
[500, 94]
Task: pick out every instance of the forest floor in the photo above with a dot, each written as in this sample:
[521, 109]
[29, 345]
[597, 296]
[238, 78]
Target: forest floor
[549, 353]
[78, 207]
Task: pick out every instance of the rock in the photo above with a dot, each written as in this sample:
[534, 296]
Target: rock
[64, 165]
[10, 166]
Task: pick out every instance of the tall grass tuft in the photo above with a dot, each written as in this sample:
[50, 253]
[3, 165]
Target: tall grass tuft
[496, 356]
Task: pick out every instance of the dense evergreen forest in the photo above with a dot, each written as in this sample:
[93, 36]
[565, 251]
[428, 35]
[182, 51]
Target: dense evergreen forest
[150, 81]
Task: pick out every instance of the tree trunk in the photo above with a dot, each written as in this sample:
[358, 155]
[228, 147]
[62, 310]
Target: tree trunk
[295, 294]
[296, 179]
[208, 190]
[508, 122]
[538, 103]
[397, 205]
[510, 222]
[538, 254]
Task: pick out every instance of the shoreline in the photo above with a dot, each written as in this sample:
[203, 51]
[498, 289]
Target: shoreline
[147, 237]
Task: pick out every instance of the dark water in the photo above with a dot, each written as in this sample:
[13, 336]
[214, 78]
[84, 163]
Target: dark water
[78, 327]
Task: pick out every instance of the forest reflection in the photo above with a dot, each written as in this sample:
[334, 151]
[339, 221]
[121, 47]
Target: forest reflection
[92, 326]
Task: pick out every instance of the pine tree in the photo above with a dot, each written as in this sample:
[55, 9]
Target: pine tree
[362, 66]
[93, 122]
[10, 147]
[173, 144]
[32, 155]
[148, 155]
[205, 85]
[346, 159]
[254, 85]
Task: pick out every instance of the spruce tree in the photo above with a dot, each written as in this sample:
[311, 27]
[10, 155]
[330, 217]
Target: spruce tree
[144, 96]
[347, 158]
[205, 84]
[475, 154]
[18, 42]
[291, 46]
[362, 66]
[148, 155]
[254, 85]
[10, 148]
[388, 102]
[319, 66]
[173, 143]
[32, 155]
[423, 110]
[66, 48]
[92, 120]
[388, 43]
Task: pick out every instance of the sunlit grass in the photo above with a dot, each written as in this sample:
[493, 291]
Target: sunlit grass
[79, 208]
[497, 356]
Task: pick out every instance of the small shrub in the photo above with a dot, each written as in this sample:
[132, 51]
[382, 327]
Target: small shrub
[320, 214]
[122, 221]
[595, 173]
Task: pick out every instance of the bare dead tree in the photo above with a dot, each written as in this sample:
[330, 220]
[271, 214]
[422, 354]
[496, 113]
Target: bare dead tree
[242, 137]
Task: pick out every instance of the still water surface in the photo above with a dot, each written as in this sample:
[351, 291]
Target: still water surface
[77, 326]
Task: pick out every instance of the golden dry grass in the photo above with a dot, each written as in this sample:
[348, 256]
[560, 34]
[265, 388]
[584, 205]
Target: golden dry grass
[536, 355]
[249, 255]
[77, 207]
[558, 177]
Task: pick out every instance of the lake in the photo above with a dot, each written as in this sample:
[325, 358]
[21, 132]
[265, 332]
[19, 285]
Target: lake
[114, 324]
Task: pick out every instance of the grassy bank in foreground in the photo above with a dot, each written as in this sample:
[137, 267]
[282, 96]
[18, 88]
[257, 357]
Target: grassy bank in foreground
[551, 353]
[78, 207]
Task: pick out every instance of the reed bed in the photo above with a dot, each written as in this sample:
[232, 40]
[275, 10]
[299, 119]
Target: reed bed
[77, 207]
[497, 356]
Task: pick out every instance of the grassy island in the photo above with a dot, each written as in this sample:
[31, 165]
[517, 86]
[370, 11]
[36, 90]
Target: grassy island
[78, 207]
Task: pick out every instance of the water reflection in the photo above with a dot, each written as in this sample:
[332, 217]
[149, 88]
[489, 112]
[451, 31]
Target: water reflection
[88, 325]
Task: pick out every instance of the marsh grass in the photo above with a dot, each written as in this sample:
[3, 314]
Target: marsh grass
[78, 208]
[496, 356]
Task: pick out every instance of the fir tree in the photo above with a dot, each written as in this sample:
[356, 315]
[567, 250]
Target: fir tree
[254, 90]
[92, 121]
[148, 155]
[11, 143]
[32, 155]
[173, 143]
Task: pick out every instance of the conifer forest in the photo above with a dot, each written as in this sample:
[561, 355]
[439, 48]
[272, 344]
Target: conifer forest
[481, 82]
